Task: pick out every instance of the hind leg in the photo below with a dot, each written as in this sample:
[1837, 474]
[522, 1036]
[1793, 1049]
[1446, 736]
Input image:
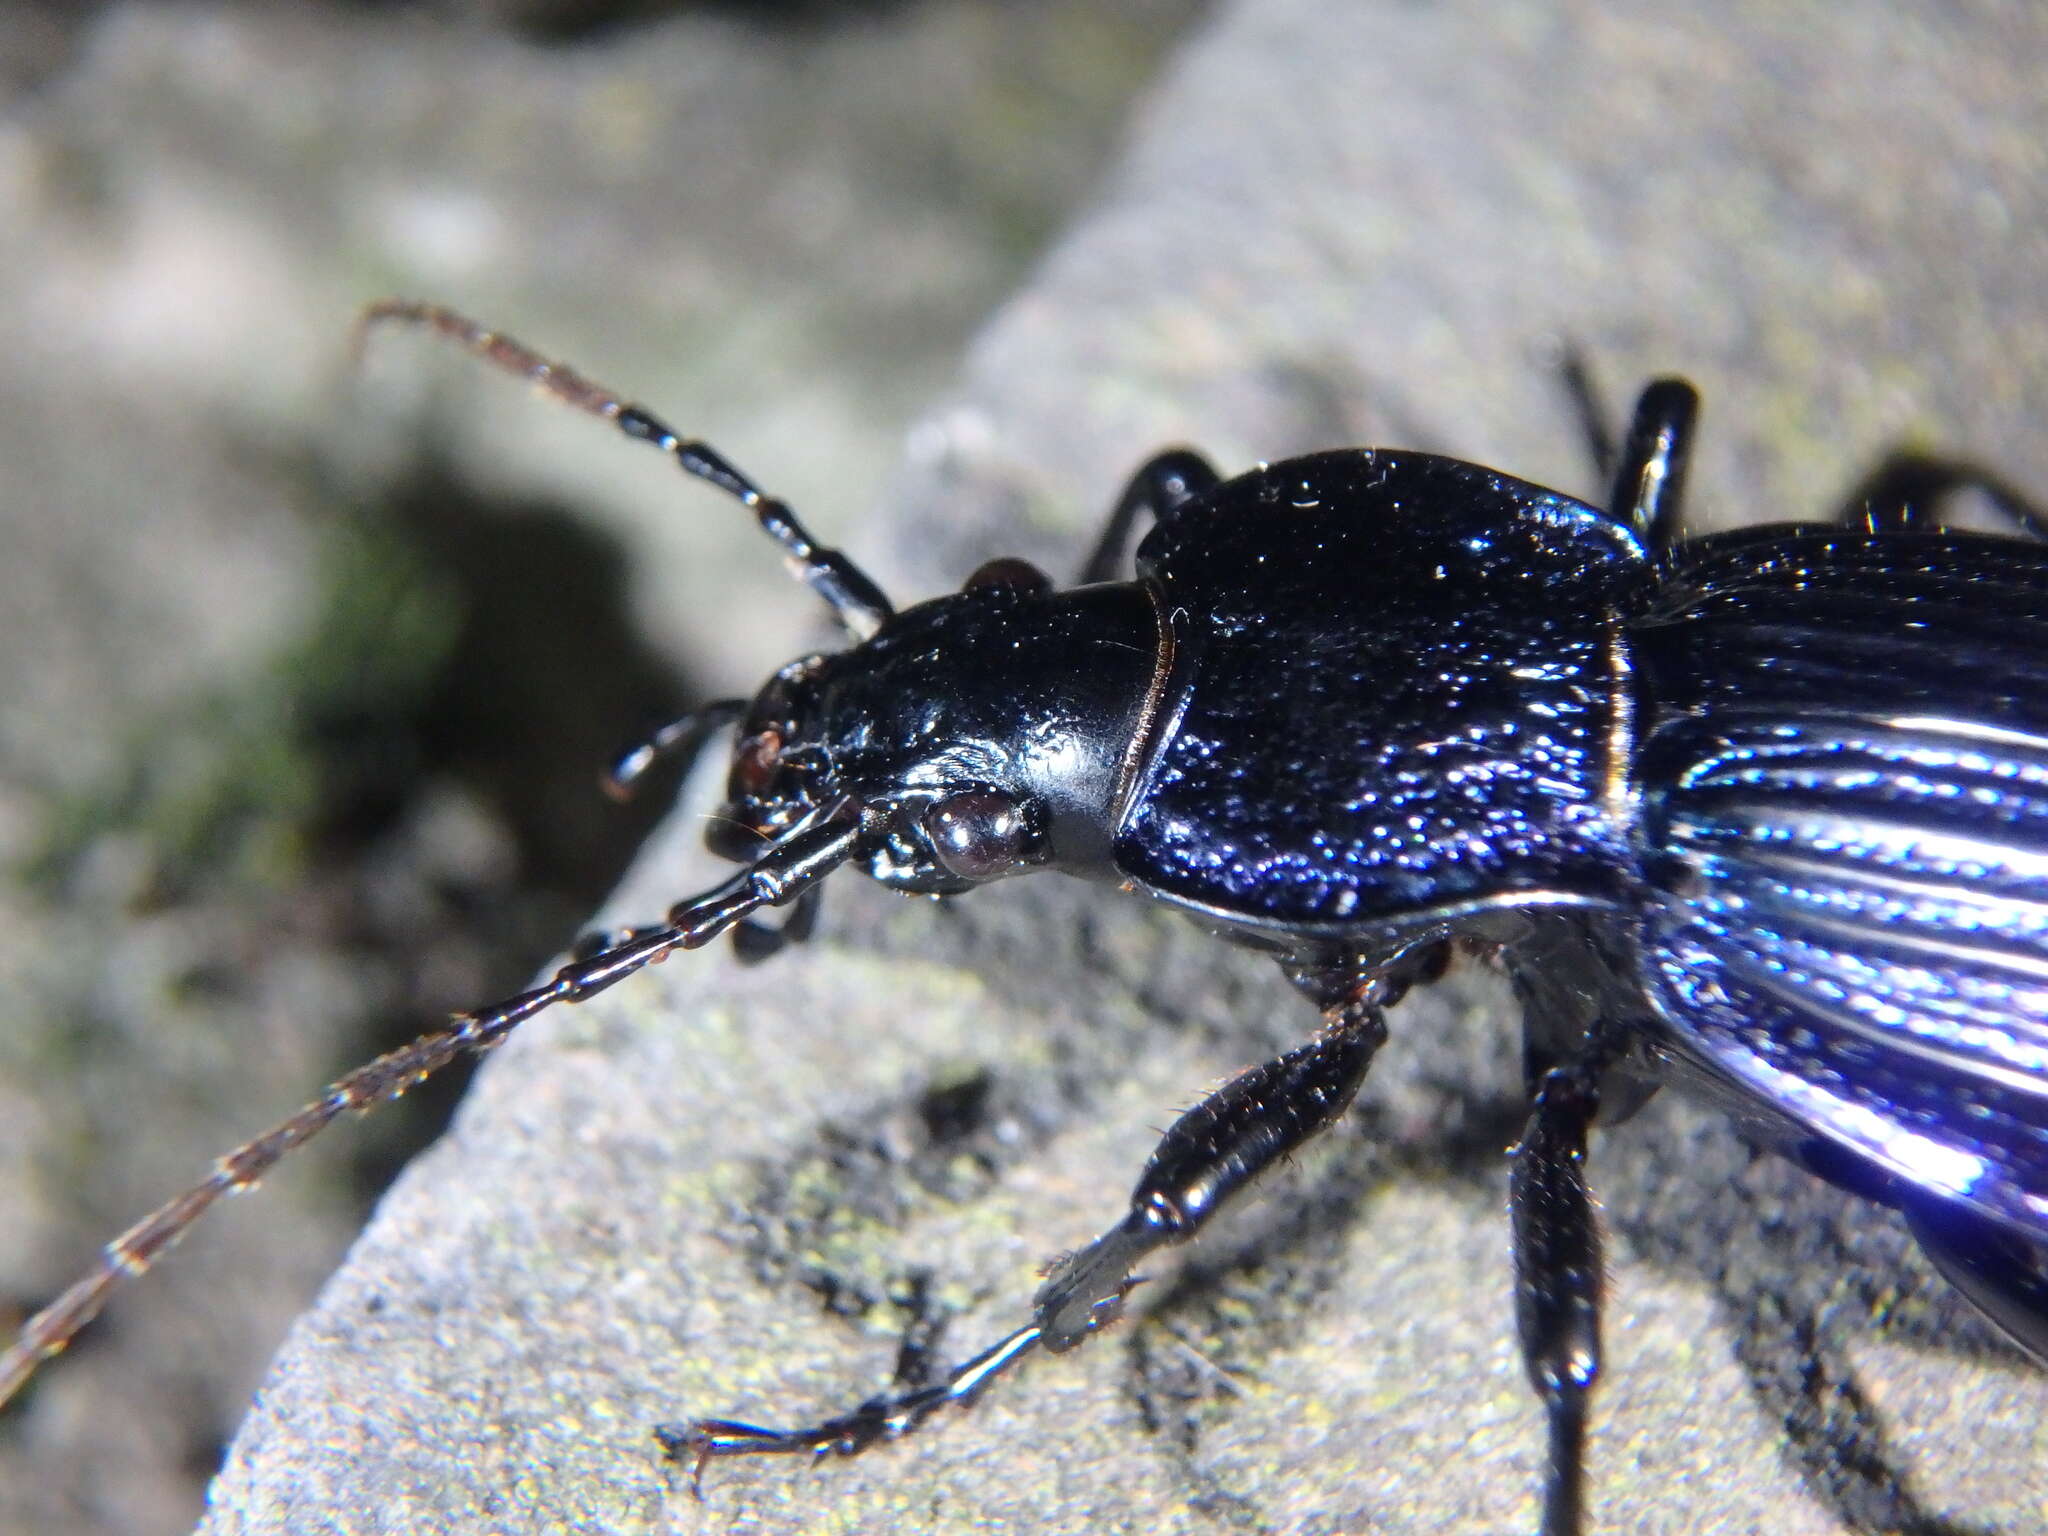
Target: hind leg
[1906, 491]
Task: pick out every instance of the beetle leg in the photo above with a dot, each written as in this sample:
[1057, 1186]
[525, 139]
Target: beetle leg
[1647, 469]
[1557, 1264]
[1160, 486]
[1905, 492]
[754, 941]
[1575, 373]
[1649, 477]
[685, 738]
[1208, 1154]
[1211, 1152]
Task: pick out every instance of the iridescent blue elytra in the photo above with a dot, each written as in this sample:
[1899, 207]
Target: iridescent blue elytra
[1853, 781]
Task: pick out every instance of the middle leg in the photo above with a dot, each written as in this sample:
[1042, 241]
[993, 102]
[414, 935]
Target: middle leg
[1162, 484]
[1645, 472]
[1210, 1153]
[1556, 1240]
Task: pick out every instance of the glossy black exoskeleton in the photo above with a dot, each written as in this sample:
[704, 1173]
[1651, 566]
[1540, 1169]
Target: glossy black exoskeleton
[1764, 813]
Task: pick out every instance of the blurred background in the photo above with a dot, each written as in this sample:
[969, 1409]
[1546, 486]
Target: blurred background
[310, 673]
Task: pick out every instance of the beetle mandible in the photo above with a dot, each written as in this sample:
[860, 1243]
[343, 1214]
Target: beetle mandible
[1764, 814]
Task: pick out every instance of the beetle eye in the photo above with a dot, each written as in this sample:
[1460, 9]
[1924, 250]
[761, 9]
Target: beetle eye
[982, 833]
[756, 759]
[1009, 571]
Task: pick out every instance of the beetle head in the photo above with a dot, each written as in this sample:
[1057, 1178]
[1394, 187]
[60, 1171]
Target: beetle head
[983, 734]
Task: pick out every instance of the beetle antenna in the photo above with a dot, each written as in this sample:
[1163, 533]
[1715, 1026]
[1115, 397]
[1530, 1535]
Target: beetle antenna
[854, 598]
[793, 865]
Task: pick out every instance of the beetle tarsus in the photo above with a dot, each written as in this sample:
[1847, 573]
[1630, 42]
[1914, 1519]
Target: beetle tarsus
[874, 1422]
[1211, 1152]
[1906, 491]
[1564, 1490]
[683, 738]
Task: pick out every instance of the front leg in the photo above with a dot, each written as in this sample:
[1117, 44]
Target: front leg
[1210, 1153]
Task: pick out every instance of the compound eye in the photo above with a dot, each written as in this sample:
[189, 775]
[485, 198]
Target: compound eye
[755, 761]
[1009, 571]
[982, 833]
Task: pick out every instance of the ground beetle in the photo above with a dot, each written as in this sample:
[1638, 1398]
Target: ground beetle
[1764, 813]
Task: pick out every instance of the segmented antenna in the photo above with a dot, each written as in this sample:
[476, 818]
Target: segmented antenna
[855, 600]
[789, 868]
